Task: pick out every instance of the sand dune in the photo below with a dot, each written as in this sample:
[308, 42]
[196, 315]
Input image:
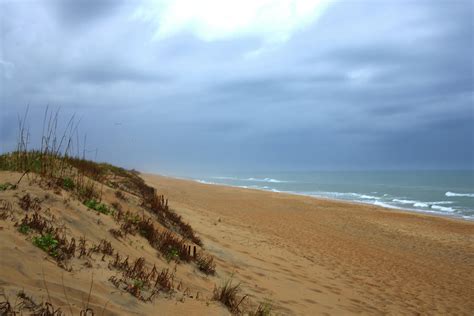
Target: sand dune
[24, 267]
[301, 255]
[310, 256]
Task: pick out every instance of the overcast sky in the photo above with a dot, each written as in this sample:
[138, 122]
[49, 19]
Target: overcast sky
[181, 86]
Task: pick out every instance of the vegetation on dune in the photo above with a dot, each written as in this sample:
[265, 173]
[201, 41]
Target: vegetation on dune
[97, 206]
[228, 294]
[7, 186]
[263, 309]
[47, 243]
[58, 165]
[24, 303]
[206, 264]
[68, 184]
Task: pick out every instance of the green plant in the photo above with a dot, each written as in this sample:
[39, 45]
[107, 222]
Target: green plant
[134, 218]
[172, 254]
[99, 207]
[68, 184]
[47, 243]
[24, 229]
[7, 186]
[139, 284]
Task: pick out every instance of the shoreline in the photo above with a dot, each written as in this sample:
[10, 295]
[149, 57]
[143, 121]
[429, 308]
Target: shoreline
[379, 205]
[314, 256]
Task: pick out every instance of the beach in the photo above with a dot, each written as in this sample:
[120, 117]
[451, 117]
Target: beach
[312, 256]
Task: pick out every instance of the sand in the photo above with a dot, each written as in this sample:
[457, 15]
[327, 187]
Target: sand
[24, 267]
[304, 256]
[312, 256]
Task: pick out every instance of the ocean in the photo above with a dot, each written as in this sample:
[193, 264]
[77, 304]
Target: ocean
[449, 193]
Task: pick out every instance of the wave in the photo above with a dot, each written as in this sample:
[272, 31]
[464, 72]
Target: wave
[423, 204]
[414, 203]
[205, 182]
[420, 204]
[404, 201]
[382, 204]
[347, 195]
[459, 194]
[266, 180]
[225, 178]
[442, 208]
[269, 180]
[380, 199]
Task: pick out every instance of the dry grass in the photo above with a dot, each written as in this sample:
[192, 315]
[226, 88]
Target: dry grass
[27, 203]
[263, 309]
[60, 166]
[228, 294]
[139, 281]
[26, 305]
[206, 263]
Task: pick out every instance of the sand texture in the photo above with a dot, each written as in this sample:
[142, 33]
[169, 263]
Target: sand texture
[302, 256]
[320, 257]
[24, 267]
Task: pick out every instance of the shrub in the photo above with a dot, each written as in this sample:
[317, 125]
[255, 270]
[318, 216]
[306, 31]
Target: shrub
[68, 184]
[99, 207]
[24, 229]
[7, 186]
[138, 284]
[172, 254]
[47, 243]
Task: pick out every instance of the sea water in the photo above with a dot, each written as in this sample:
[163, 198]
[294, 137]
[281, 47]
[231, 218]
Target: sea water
[441, 192]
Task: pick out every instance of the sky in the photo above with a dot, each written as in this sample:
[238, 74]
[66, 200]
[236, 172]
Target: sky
[215, 85]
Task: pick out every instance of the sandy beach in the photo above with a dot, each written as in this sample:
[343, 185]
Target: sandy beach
[297, 254]
[311, 256]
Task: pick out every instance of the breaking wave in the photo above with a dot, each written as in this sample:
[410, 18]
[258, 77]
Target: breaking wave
[459, 194]
[269, 180]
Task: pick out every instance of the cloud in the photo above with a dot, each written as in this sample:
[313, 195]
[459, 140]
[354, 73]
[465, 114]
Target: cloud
[7, 69]
[273, 21]
[338, 88]
[110, 72]
[77, 13]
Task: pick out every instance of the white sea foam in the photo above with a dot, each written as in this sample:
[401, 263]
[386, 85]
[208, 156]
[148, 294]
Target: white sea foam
[366, 197]
[420, 204]
[423, 204]
[383, 200]
[378, 203]
[441, 202]
[205, 182]
[265, 180]
[404, 201]
[442, 208]
[459, 194]
[346, 195]
[225, 178]
[269, 180]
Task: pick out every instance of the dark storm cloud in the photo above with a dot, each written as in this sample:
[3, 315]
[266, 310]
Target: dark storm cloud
[370, 85]
[79, 12]
[102, 73]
